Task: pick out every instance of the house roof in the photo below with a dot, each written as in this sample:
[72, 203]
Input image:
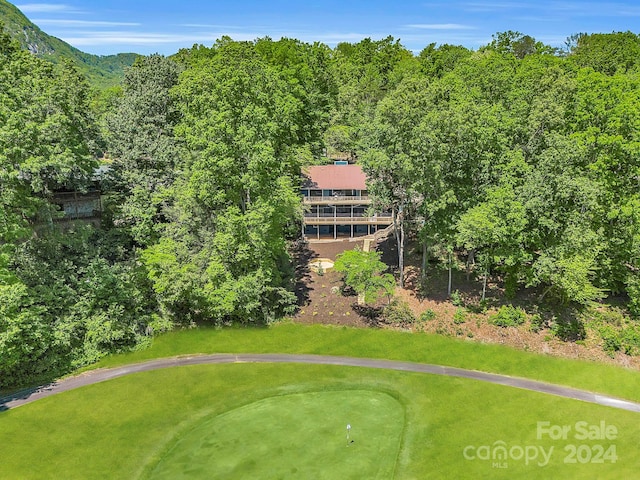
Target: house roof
[335, 177]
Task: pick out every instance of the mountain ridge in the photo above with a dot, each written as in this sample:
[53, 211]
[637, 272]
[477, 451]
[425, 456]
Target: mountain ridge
[101, 71]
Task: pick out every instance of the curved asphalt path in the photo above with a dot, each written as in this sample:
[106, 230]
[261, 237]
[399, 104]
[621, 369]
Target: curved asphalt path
[101, 375]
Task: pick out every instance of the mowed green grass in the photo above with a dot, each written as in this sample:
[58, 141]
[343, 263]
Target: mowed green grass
[167, 422]
[392, 345]
[261, 420]
[300, 435]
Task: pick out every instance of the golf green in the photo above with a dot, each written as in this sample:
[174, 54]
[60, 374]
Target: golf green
[301, 435]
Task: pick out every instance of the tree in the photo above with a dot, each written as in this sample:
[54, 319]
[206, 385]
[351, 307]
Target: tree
[25, 337]
[365, 73]
[436, 62]
[222, 255]
[363, 272]
[518, 44]
[47, 134]
[605, 127]
[607, 53]
[495, 229]
[67, 297]
[389, 159]
[145, 151]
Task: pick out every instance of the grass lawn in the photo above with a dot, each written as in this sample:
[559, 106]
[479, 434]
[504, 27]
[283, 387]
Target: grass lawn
[392, 345]
[288, 421]
[301, 435]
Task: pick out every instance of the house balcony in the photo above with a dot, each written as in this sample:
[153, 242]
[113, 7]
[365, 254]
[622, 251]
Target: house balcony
[336, 200]
[78, 205]
[347, 219]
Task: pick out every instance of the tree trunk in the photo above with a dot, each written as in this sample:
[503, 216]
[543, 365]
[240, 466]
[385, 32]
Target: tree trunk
[449, 283]
[398, 230]
[471, 260]
[424, 259]
[544, 294]
[401, 254]
[484, 285]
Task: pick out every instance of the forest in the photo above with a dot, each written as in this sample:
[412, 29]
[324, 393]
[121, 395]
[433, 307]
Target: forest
[519, 158]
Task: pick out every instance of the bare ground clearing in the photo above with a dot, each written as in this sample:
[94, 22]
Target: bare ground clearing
[321, 301]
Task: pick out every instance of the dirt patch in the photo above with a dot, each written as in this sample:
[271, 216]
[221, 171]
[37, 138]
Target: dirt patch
[331, 249]
[465, 320]
[325, 303]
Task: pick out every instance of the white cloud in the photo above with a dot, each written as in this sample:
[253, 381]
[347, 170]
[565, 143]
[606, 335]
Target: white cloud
[45, 8]
[83, 38]
[147, 38]
[579, 8]
[597, 9]
[440, 37]
[206, 25]
[494, 6]
[81, 23]
[440, 26]
[336, 37]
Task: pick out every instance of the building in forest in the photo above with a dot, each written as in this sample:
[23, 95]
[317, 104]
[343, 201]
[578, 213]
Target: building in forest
[78, 205]
[81, 204]
[337, 204]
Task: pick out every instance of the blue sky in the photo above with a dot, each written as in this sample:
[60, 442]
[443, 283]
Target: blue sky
[163, 26]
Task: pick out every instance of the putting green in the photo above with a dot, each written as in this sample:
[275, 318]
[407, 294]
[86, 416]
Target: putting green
[291, 436]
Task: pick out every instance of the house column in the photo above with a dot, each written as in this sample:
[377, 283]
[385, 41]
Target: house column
[352, 220]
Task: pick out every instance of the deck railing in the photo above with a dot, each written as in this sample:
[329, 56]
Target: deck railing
[336, 199]
[338, 220]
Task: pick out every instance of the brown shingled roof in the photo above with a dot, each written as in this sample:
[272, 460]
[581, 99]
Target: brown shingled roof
[335, 177]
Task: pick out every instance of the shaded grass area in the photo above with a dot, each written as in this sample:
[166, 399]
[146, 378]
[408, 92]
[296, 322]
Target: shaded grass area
[414, 347]
[300, 435]
[123, 427]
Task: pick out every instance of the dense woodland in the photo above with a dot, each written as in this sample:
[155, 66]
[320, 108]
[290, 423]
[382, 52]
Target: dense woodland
[521, 158]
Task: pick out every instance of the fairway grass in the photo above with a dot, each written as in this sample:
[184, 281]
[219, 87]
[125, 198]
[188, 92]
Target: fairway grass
[291, 436]
[286, 420]
[131, 426]
[392, 345]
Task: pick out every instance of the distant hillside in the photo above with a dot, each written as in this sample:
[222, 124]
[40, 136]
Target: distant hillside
[102, 71]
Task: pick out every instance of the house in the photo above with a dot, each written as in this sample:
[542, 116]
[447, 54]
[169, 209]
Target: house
[78, 205]
[337, 205]
[85, 205]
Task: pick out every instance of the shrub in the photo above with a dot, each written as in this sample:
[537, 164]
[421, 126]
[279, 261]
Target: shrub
[508, 316]
[398, 312]
[456, 299]
[633, 290]
[610, 339]
[478, 307]
[630, 339]
[460, 316]
[537, 323]
[569, 330]
[427, 315]
[609, 315]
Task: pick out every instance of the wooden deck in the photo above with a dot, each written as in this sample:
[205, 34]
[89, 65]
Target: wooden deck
[337, 200]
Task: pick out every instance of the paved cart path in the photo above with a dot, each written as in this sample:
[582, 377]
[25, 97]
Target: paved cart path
[101, 375]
